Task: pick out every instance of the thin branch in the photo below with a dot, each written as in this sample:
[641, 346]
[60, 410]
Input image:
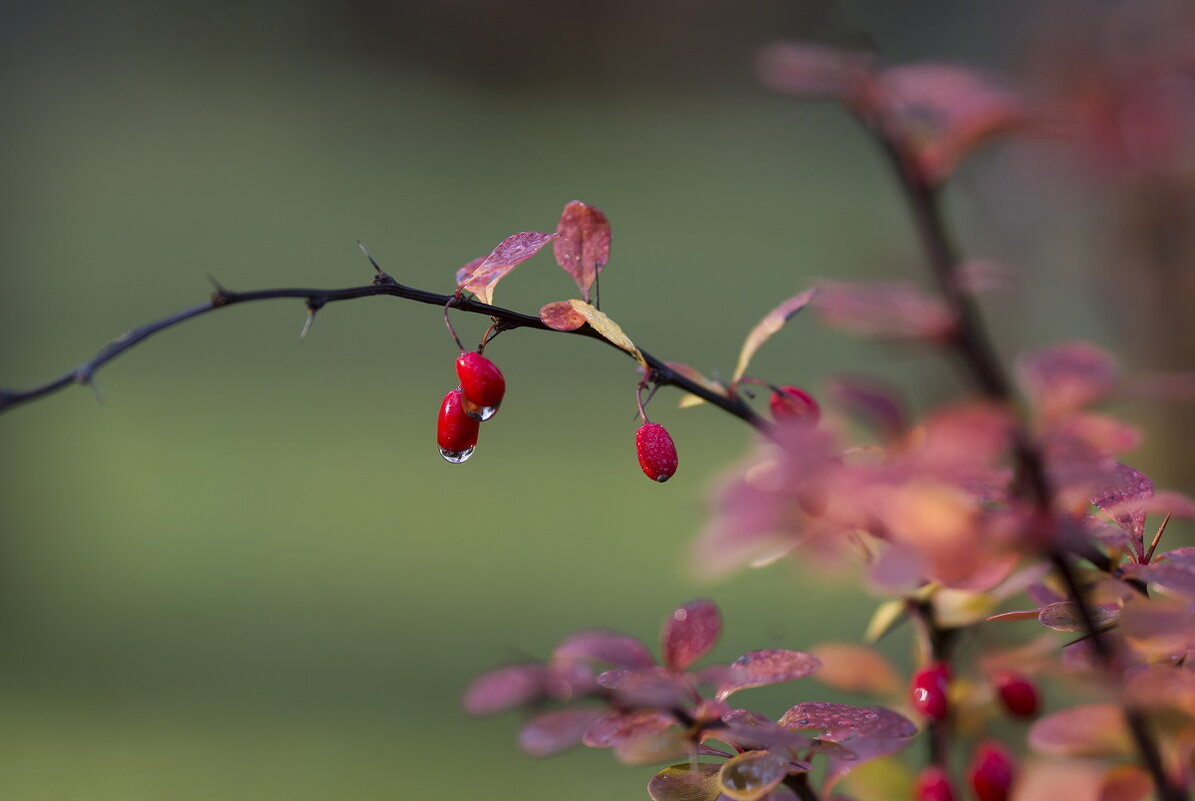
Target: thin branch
[505, 319]
[975, 352]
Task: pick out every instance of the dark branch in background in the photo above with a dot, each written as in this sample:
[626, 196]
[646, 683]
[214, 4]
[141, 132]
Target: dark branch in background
[972, 346]
[506, 319]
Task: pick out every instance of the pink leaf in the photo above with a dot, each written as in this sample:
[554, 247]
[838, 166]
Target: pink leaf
[749, 730]
[810, 70]
[891, 311]
[614, 727]
[1127, 484]
[1095, 730]
[762, 668]
[1173, 572]
[1065, 377]
[504, 688]
[510, 252]
[646, 686]
[463, 273]
[583, 247]
[556, 731]
[772, 322]
[561, 316]
[602, 645]
[875, 403]
[834, 721]
[689, 633]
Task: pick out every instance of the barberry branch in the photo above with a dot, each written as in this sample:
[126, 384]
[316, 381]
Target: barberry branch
[971, 344]
[383, 284]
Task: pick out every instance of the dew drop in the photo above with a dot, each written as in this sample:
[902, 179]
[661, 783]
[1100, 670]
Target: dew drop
[456, 457]
[481, 413]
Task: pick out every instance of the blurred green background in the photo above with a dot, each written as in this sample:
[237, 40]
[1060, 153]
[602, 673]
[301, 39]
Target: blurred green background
[246, 573]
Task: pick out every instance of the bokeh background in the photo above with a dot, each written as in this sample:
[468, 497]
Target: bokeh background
[246, 573]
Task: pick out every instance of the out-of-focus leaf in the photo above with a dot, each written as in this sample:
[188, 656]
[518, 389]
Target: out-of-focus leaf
[1123, 783]
[882, 779]
[1127, 484]
[1165, 503]
[1064, 616]
[653, 747]
[560, 315]
[1051, 780]
[752, 774]
[646, 687]
[1019, 614]
[873, 402]
[765, 667]
[556, 731]
[1173, 572]
[505, 688]
[614, 727]
[685, 782]
[510, 252]
[1094, 730]
[583, 246]
[946, 111]
[749, 730]
[1159, 627]
[601, 323]
[772, 322]
[863, 751]
[603, 645]
[884, 619]
[856, 668]
[956, 608]
[1166, 689]
[697, 378]
[689, 633]
[1064, 377]
[810, 70]
[885, 311]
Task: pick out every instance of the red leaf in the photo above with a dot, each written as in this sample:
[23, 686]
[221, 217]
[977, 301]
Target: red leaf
[689, 633]
[762, 668]
[1064, 377]
[504, 688]
[749, 730]
[556, 731]
[1173, 572]
[810, 70]
[1127, 484]
[646, 686]
[583, 247]
[885, 310]
[604, 646]
[614, 727]
[510, 252]
[561, 316]
[946, 111]
[834, 721]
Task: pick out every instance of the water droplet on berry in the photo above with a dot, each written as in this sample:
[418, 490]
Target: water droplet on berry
[481, 413]
[456, 457]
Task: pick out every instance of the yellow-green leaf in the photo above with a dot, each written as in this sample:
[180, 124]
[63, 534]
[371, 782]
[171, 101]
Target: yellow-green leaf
[602, 323]
[772, 322]
[885, 618]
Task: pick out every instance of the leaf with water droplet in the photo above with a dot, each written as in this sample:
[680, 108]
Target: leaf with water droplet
[772, 322]
[689, 633]
[601, 322]
[509, 253]
[653, 747]
[685, 782]
[752, 774]
[765, 667]
[843, 722]
[583, 246]
[620, 725]
[559, 315]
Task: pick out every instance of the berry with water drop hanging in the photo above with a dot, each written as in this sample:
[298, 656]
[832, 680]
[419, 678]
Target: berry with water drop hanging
[456, 431]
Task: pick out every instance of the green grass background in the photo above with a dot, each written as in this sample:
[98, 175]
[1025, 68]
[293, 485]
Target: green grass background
[246, 573]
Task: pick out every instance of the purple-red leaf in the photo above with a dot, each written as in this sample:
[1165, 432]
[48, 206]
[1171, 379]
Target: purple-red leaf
[747, 730]
[602, 645]
[556, 731]
[583, 246]
[1173, 572]
[504, 688]
[1127, 484]
[614, 727]
[770, 666]
[646, 686]
[510, 252]
[809, 70]
[560, 315]
[889, 311]
[772, 322]
[689, 633]
[1064, 377]
[834, 721]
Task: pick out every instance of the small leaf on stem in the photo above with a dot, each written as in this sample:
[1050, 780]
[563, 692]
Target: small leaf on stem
[510, 252]
[583, 246]
[772, 322]
[689, 633]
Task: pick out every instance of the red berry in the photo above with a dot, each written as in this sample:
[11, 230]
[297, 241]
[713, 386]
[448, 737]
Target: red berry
[991, 772]
[1017, 693]
[657, 453]
[928, 691]
[481, 382]
[934, 785]
[456, 432]
[794, 403]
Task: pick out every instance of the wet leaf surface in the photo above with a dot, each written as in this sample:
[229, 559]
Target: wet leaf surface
[689, 633]
[510, 252]
[583, 244]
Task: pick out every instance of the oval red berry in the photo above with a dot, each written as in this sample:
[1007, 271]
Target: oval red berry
[991, 772]
[934, 785]
[481, 380]
[657, 453]
[1017, 693]
[928, 691]
[794, 403]
[456, 432]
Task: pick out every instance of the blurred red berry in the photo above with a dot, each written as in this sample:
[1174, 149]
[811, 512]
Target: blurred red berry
[456, 432]
[934, 785]
[794, 403]
[927, 691]
[991, 771]
[481, 381]
[1017, 693]
[657, 453]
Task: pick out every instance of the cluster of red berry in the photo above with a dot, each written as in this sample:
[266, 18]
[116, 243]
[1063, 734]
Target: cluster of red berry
[992, 768]
[465, 408]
